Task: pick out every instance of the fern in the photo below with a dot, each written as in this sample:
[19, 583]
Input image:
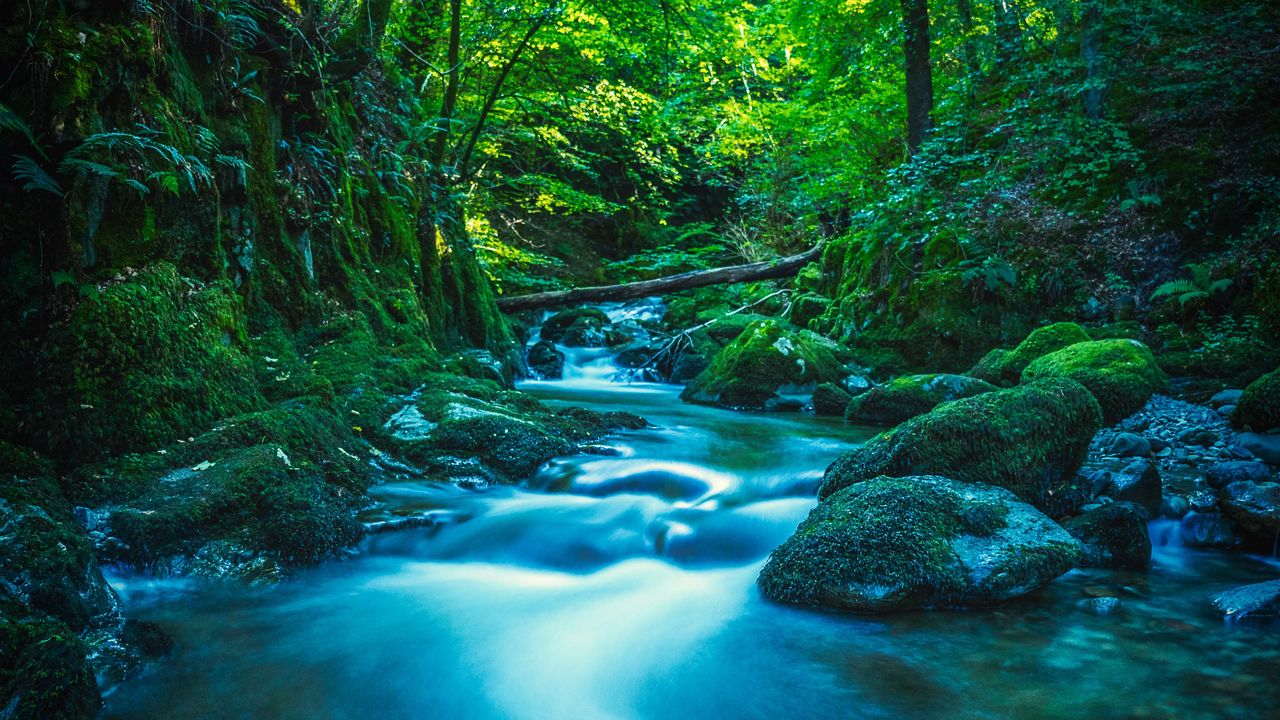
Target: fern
[11, 121]
[1200, 286]
[33, 177]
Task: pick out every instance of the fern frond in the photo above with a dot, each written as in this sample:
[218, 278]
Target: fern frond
[77, 166]
[1173, 287]
[33, 177]
[11, 121]
[1219, 285]
[1187, 297]
[142, 189]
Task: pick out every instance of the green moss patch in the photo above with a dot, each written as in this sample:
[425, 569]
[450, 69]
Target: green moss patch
[908, 396]
[1030, 439]
[1259, 405]
[1121, 374]
[769, 359]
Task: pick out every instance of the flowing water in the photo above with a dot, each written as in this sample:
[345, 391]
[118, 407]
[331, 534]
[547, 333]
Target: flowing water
[621, 585]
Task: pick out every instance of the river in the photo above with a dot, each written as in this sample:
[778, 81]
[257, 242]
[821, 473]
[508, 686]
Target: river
[620, 584]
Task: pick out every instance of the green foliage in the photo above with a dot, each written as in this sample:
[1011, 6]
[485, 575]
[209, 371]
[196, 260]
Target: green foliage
[1195, 289]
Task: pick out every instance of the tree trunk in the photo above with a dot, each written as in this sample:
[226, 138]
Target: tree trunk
[971, 65]
[1008, 31]
[435, 195]
[1090, 50]
[915, 46]
[783, 267]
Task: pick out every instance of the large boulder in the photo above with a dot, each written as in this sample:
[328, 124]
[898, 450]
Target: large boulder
[582, 321]
[764, 365]
[1259, 405]
[1004, 367]
[1121, 374]
[1264, 447]
[1207, 530]
[1222, 474]
[912, 542]
[911, 395]
[1259, 601]
[546, 360]
[1138, 482]
[1030, 439]
[1254, 508]
[1112, 536]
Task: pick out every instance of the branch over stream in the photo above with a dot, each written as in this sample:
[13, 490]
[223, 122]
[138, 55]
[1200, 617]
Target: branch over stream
[765, 270]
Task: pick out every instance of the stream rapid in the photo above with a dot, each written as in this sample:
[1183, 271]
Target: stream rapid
[621, 584]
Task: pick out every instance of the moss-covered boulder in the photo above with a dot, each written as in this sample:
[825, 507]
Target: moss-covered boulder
[43, 669]
[1121, 374]
[51, 593]
[472, 431]
[830, 399]
[254, 496]
[1112, 536]
[545, 360]
[46, 561]
[581, 320]
[767, 362]
[1030, 439]
[1004, 367]
[917, 542]
[1259, 406]
[146, 358]
[911, 395]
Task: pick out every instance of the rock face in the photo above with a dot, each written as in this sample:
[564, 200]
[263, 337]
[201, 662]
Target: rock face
[1259, 405]
[1121, 374]
[1030, 439]
[917, 542]
[1112, 536]
[1128, 445]
[1260, 601]
[762, 366]
[830, 399]
[905, 397]
[1004, 367]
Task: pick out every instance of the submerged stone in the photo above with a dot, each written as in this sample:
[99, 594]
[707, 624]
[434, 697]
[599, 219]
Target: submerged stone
[905, 397]
[830, 399]
[917, 542]
[1030, 439]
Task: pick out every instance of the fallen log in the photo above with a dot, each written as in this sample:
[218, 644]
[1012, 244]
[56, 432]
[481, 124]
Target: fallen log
[765, 270]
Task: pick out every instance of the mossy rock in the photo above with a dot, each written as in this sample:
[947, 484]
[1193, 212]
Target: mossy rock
[1259, 406]
[1121, 374]
[1113, 536]
[805, 307]
[557, 326]
[1005, 368]
[911, 395]
[148, 358]
[830, 399]
[450, 423]
[46, 560]
[990, 367]
[917, 542]
[766, 362]
[44, 673]
[1030, 439]
[281, 486]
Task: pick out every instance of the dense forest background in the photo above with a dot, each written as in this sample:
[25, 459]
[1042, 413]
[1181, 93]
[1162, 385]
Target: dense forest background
[213, 207]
